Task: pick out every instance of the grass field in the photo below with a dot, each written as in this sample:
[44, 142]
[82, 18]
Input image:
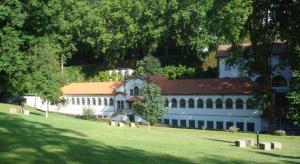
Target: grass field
[62, 139]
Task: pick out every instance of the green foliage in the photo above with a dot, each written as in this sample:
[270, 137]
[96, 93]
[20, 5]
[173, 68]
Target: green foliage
[114, 76]
[148, 66]
[152, 106]
[88, 114]
[102, 76]
[45, 79]
[73, 74]
[229, 18]
[294, 99]
[180, 72]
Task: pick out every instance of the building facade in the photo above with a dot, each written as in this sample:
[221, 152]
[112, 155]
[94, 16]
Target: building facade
[199, 103]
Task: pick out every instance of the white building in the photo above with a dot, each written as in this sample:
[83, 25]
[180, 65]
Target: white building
[124, 73]
[210, 103]
[281, 77]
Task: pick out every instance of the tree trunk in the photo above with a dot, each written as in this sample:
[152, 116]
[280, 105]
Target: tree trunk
[166, 50]
[47, 109]
[62, 66]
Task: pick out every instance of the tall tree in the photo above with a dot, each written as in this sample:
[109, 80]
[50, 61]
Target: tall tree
[44, 77]
[264, 25]
[148, 66]
[152, 107]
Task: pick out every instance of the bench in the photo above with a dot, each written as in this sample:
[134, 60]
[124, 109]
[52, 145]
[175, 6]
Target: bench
[265, 145]
[120, 124]
[240, 143]
[13, 111]
[112, 123]
[249, 142]
[26, 112]
[132, 125]
[276, 145]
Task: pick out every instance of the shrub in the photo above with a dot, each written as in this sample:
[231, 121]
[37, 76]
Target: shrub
[203, 127]
[233, 129]
[88, 114]
[279, 132]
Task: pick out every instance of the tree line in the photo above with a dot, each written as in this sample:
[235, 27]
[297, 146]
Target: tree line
[38, 37]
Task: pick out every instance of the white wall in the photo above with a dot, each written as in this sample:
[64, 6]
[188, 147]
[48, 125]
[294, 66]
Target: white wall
[235, 115]
[69, 108]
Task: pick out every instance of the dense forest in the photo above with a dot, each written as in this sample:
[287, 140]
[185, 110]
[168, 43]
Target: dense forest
[38, 38]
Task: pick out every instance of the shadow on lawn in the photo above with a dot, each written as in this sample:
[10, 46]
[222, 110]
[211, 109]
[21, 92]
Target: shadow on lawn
[277, 155]
[218, 140]
[23, 141]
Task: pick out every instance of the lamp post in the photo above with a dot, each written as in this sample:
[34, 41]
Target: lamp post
[257, 139]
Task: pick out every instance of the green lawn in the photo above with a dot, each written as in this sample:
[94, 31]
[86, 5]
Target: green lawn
[62, 139]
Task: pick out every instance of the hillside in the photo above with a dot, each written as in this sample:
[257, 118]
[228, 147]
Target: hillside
[63, 139]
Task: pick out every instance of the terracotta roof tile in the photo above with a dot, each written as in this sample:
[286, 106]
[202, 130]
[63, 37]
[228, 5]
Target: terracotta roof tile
[105, 88]
[134, 98]
[232, 86]
[279, 47]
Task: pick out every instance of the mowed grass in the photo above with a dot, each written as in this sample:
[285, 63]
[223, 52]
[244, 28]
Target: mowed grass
[63, 139]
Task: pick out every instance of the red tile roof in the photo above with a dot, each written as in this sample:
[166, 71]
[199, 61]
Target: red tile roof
[232, 86]
[104, 88]
[134, 98]
[279, 47]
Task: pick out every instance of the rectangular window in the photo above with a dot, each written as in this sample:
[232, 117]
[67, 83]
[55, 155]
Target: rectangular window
[227, 67]
[220, 125]
[182, 123]
[122, 105]
[200, 124]
[250, 127]
[166, 121]
[229, 124]
[174, 122]
[118, 105]
[210, 124]
[191, 123]
[240, 126]
[131, 92]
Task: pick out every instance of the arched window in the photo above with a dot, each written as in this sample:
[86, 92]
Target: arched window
[111, 102]
[199, 103]
[219, 104]
[229, 104]
[239, 104]
[136, 91]
[78, 101]
[166, 103]
[250, 104]
[182, 103]
[174, 103]
[209, 104]
[191, 103]
[94, 101]
[73, 101]
[99, 101]
[279, 81]
[88, 102]
[105, 101]
[83, 101]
